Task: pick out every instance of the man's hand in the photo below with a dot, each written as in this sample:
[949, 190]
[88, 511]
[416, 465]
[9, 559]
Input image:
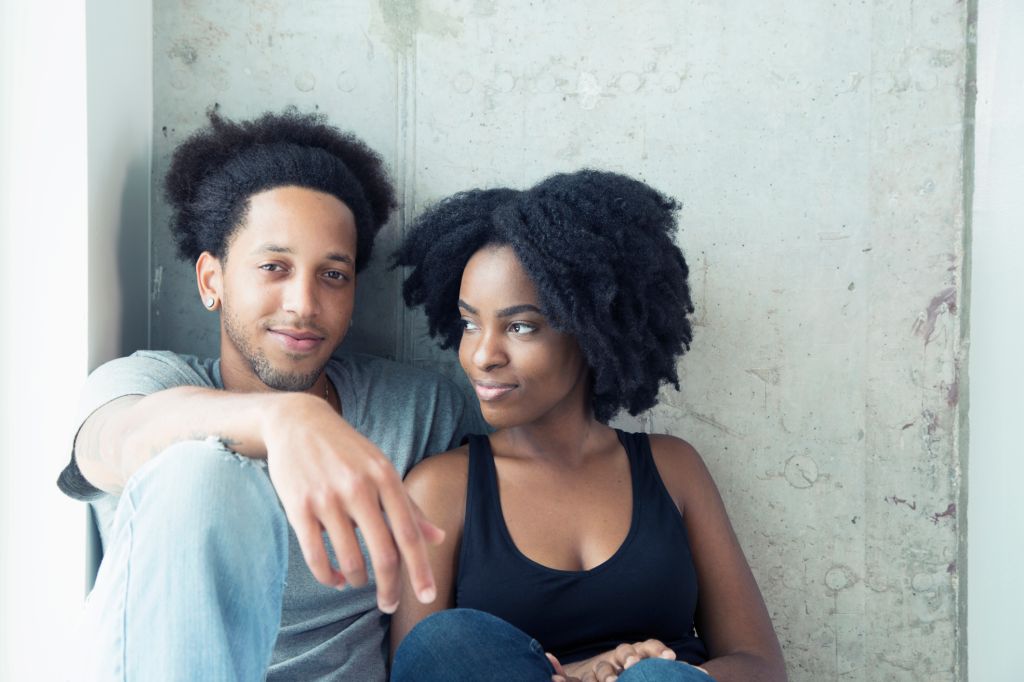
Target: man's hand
[332, 479]
[608, 666]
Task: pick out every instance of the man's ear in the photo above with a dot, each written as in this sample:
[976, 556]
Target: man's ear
[209, 278]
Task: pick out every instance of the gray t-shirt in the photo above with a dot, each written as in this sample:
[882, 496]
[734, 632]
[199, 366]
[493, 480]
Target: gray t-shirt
[407, 412]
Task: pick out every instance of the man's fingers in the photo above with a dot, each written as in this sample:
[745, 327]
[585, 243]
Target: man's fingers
[405, 525]
[311, 542]
[431, 533]
[383, 553]
[346, 547]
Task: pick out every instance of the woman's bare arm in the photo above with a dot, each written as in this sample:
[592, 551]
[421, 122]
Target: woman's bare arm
[438, 486]
[732, 618]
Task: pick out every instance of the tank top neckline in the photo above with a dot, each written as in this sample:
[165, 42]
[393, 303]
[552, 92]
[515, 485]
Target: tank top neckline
[495, 504]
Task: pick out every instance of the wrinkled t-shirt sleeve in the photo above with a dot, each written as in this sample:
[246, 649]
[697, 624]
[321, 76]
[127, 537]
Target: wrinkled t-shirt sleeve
[142, 373]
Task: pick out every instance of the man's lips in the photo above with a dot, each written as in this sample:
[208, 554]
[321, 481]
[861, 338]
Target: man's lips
[491, 390]
[296, 340]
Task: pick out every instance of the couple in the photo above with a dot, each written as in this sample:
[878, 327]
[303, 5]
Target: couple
[229, 490]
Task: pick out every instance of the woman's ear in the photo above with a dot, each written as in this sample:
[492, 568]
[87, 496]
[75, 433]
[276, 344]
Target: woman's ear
[209, 278]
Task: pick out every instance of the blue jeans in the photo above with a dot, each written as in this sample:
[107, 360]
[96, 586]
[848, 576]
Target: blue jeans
[464, 644]
[194, 568]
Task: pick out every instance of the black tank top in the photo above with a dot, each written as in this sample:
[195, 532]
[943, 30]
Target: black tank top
[647, 589]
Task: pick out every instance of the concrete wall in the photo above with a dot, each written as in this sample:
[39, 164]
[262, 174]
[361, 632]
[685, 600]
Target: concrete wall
[818, 149]
[120, 119]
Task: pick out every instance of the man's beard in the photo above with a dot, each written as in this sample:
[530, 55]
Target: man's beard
[261, 367]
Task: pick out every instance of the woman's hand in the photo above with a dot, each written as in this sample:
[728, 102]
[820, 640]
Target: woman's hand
[606, 667]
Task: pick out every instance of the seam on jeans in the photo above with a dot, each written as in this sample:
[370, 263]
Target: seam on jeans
[124, 594]
[539, 650]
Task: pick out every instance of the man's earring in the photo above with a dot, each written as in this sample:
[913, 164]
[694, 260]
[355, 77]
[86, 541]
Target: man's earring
[210, 302]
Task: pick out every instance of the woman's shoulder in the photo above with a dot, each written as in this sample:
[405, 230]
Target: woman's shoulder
[679, 464]
[440, 476]
[673, 451]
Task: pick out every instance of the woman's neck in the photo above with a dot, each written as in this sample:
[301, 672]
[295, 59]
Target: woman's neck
[562, 439]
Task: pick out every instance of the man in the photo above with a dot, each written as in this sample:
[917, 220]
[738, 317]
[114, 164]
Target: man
[229, 490]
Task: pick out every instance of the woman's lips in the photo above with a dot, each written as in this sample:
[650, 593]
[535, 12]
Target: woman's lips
[296, 342]
[487, 391]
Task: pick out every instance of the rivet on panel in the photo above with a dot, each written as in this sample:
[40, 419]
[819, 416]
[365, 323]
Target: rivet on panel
[923, 582]
[346, 82]
[505, 82]
[305, 81]
[463, 82]
[801, 471]
[837, 578]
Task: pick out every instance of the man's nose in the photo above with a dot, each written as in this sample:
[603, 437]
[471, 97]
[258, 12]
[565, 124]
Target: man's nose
[301, 296]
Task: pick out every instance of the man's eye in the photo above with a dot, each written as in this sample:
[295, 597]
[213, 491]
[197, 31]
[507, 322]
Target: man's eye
[270, 267]
[336, 275]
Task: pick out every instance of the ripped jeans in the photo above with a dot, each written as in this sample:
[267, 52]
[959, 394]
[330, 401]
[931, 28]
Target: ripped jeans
[191, 582]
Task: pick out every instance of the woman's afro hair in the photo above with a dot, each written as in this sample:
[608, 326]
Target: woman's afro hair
[215, 171]
[598, 246]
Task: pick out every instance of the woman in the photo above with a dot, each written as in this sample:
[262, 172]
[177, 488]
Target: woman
[610, 552]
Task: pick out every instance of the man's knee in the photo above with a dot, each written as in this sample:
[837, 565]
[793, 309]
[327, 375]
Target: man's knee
[196, 561]
[199, 488]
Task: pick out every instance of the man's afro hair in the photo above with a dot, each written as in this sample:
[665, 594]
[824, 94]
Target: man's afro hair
[218, 168]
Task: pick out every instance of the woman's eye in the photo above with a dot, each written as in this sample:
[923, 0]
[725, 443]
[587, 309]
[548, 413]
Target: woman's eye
[467, 325]
[521, 328]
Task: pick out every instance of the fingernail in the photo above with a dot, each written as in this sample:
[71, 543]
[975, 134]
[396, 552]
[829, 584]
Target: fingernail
[388, 608]
[668, 653]
[630, 660]
[427, 595]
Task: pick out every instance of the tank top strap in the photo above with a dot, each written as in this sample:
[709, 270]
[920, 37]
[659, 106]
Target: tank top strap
[483, 506]
[649, 490]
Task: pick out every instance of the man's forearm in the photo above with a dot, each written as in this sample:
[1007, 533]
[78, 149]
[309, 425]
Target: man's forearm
[328, 476]
[123, 435]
